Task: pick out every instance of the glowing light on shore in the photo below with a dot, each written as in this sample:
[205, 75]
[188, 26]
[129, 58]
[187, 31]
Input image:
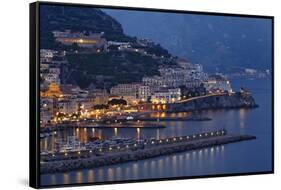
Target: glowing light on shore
[115, 131]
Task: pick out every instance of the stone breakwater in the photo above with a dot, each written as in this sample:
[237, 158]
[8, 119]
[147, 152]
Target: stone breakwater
[225, 101]
[121, 157]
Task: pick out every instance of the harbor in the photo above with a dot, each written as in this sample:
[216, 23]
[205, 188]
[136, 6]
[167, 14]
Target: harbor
[144, 120]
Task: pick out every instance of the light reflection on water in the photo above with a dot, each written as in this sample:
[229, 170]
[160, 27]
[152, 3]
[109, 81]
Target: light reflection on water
[228, 119]
[248, 156]
[179, 163]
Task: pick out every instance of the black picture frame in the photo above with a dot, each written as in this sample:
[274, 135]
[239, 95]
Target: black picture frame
[34, 94]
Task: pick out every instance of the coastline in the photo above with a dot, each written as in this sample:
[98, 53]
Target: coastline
[215, 102]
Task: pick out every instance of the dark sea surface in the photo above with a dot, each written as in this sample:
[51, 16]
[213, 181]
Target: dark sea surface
[241, 157]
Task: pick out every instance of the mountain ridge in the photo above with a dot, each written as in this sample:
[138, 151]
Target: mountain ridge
[219, 43]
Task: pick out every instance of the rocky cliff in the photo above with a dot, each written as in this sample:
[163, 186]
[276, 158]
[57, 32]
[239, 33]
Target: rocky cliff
[236, 100]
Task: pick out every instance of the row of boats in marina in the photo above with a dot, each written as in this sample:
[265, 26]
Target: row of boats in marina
[72, 144]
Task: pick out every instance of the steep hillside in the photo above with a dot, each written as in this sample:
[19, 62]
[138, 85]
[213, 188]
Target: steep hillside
[106, 68]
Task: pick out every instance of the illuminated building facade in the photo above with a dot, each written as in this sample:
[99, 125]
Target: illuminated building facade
[53, 91]
[217, 83]
[144, 93]
[166, 95]
[82, 40]
[130, 89]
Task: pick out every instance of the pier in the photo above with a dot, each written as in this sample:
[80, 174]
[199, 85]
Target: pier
[66, 161]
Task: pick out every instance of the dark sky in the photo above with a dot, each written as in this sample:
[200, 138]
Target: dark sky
[217, 42]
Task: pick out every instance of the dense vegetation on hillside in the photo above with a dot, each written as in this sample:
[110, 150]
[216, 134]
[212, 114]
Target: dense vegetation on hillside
[116, 67]
[77, 19]
[104, 69]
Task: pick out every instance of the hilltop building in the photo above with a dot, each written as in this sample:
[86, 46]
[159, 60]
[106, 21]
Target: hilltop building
[93, 40]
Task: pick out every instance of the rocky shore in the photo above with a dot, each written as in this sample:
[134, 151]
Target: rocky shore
[121, 157]
[225, 101]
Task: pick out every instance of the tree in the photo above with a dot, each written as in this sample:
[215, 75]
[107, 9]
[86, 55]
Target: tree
[117, 102]
[100, 106]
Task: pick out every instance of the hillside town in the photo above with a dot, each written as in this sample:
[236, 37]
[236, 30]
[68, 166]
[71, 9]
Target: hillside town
[65, 102]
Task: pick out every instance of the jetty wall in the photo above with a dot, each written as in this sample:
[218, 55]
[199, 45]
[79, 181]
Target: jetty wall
[120, 157]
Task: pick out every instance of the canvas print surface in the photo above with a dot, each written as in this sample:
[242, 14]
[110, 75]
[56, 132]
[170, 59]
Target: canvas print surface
[138, 95]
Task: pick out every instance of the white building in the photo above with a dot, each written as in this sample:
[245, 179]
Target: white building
[55, 70]
[125, 90]
[46, 55]
[121, 44]
[186, 74]
[217, 83]
[154, 82]
[144, 93]
[51, 78]
[167, 95]
[173, 76]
